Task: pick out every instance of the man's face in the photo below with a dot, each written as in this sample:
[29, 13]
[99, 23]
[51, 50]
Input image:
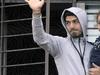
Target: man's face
[73, 26]
[98, 22]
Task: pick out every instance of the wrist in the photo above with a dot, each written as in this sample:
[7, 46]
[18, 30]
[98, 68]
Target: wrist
[37, 12]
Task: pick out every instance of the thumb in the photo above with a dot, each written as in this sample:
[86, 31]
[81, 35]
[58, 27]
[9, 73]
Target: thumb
[94, 65]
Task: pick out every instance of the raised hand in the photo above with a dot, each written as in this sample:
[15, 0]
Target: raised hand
[35, 5]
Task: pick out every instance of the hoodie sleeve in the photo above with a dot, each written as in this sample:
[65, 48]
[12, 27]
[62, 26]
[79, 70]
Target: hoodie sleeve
[43, 39]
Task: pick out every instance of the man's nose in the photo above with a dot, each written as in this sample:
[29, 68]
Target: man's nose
[72, 25]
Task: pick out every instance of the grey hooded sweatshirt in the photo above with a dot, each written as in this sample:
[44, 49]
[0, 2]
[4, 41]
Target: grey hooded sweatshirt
[71, 57]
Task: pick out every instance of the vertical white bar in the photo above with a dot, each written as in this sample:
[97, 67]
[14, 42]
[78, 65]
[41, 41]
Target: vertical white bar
[1, 39]
[3, 42]
[81, 5]
[47, 30]
[4, 49]
[74, 3]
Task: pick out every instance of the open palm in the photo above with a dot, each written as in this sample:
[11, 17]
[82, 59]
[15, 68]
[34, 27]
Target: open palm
[35, 4]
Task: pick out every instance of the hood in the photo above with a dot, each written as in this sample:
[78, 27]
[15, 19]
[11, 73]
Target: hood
[80, 14]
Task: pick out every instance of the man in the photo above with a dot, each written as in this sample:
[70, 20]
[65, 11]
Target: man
[71, 54]
[95, 54]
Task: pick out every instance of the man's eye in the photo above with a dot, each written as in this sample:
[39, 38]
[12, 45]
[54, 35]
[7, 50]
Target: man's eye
[76, 21]
[67, 22]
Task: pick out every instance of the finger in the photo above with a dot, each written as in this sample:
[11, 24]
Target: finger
[26, 0]
[94, 65]
[92, 69]
[91, 73]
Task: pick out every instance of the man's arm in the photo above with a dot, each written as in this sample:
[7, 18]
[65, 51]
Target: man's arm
[37, 26]
[43, 39]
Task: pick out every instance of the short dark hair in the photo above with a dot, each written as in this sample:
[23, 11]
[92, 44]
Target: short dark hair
[67, 13]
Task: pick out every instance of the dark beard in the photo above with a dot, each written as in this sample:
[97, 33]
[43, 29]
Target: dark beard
[73, 35]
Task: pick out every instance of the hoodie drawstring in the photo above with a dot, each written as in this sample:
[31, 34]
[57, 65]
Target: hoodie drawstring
[80, 53]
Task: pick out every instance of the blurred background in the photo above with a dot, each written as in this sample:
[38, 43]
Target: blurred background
[19, 54]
